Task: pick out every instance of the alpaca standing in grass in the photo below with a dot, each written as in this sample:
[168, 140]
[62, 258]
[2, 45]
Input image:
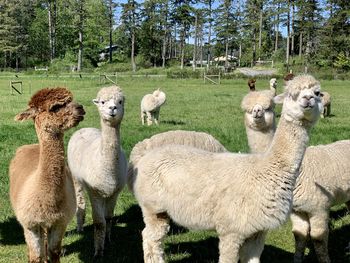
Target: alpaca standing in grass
[238, 195]
[150, 107]
[326, 103]
[323, 182]
[273, 86]
[41, 187]
[99, 165]
[251, 84]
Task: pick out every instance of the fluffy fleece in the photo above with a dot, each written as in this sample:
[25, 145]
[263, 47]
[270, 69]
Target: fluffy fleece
[200, 140]
[99, 165]
[150, 107]
[41, 187]
[253, 192]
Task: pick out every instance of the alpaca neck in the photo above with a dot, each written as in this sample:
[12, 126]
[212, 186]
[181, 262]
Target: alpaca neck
[289, 145]
[51, 167]
[259, 141]
[110, 143]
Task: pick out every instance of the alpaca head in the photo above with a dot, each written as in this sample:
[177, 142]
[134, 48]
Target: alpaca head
[251, 84]
[160, 96]
[110, 104]
[259, 110]
[53, 110]
[301, 99]
[273, 83]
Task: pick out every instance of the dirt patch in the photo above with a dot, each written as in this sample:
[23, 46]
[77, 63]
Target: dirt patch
[257, 72]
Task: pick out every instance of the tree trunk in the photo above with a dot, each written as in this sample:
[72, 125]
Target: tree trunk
[292, 33]
[209, 34]
[301, 44]
[260, 31]
[165, 34]
[52, 12]
[195, 42]
[288, 36]
[110, 18]
[81, 29]
[276, 28]
[182, 47]
[133, 64]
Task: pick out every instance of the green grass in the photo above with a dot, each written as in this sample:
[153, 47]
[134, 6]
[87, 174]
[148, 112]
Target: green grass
[191, 105]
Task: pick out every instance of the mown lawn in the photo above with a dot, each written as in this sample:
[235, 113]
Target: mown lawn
[191, 105]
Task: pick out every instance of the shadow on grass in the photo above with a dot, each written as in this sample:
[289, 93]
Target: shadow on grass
[173, 122]
[11, 232]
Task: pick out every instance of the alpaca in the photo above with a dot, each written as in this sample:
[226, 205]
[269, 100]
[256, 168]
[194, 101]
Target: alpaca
[259, 119]
[150, 107]
[316, 191]
[41, 187]
[273, 86]
[251, 84]
[200, 140]
[326, 103]
[99, 165]
[252, 194]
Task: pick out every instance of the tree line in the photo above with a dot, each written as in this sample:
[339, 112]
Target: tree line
[159, 33]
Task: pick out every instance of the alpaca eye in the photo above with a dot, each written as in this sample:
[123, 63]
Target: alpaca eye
[57, 107]
[317, 93]
[120, 102]
[102, 102]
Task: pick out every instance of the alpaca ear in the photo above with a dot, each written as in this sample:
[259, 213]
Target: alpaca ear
[27, 114]
[95, 101]
[279, 98]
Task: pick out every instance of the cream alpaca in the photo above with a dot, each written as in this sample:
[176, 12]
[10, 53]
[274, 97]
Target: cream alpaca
[322, 183]
[273, 86]
[150, 107]
[99, 165]
[238, 195]
[259, 119]
[200, 140]
[41, 187]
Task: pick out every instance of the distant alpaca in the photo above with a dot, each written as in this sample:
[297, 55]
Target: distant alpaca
[150, 107]
[99, 165]
[241, 196]
[273, 86]
[41, 187]
[251, 84]
[326, 103]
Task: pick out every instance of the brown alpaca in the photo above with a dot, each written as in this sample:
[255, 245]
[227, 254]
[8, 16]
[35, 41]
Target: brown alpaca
[251, 84]
[41, 187]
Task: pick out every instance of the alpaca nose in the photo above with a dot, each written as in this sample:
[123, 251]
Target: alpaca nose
[113, 107]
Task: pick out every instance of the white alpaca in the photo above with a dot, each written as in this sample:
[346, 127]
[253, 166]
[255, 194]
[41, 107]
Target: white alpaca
[324, 181]
[259, 119]
[239, 195]
[200, 140]
[41, 186]
[98, 163]
[150, 107]
[273, 86]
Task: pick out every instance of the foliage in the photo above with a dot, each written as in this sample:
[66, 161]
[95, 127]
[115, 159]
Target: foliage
[342, 61]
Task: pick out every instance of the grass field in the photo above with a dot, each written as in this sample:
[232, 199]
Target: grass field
[191, 105]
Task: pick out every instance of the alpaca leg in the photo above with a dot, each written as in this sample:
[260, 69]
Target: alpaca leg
[319, 236]
[329, 110]
[229, 246]
[301, 230]
[157, 226]
[110, 204]
[252, 248]
[35, 241]
[156, 117]
[143, 115]
[54, 237]
[149, 118]
[98, 217]
[81, 205]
